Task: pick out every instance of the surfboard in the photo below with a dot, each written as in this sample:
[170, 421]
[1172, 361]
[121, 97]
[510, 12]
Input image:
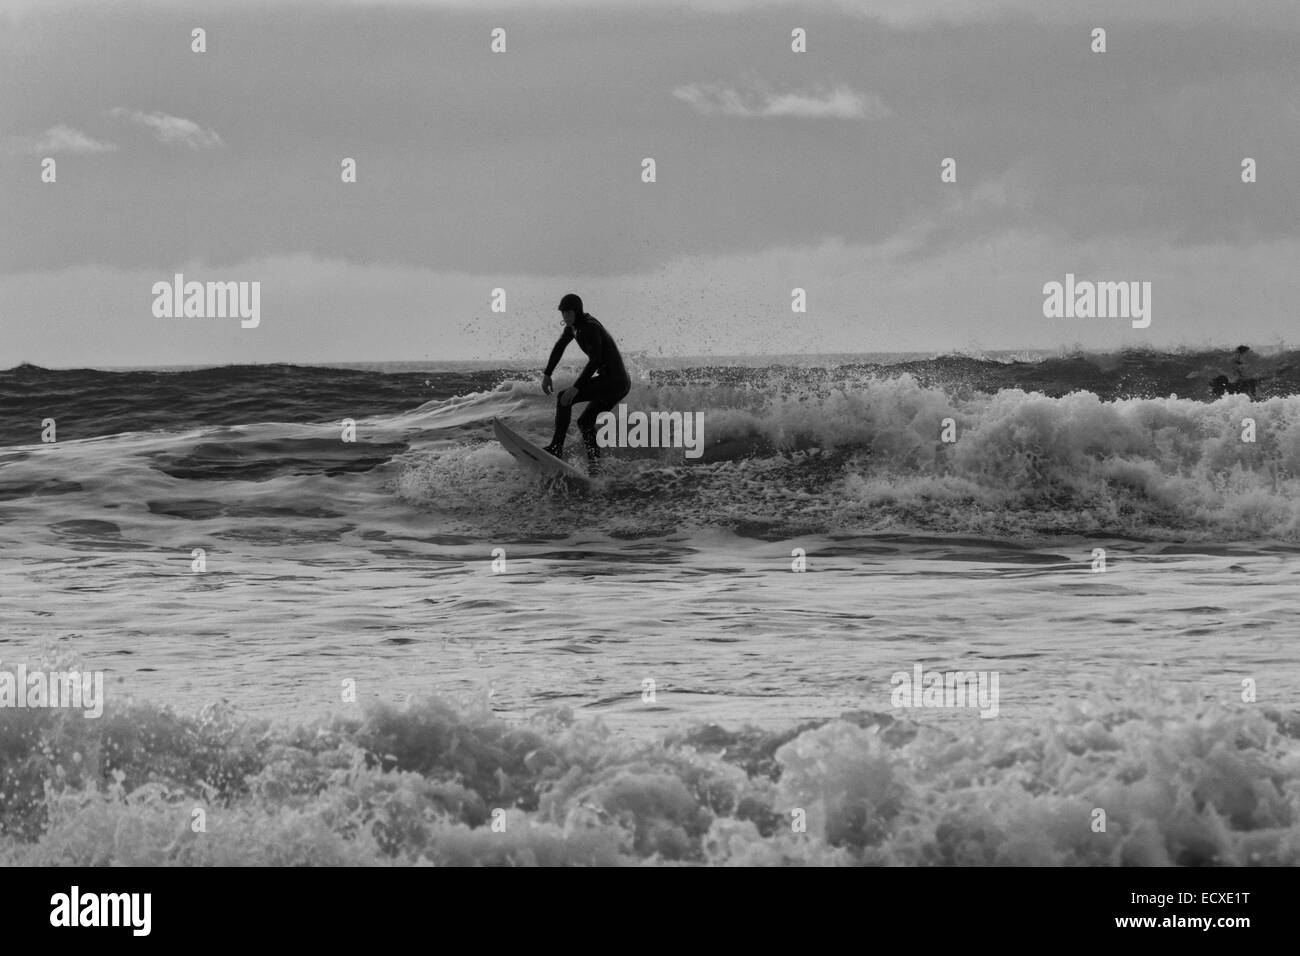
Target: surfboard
[533, 458]
[1263, 371]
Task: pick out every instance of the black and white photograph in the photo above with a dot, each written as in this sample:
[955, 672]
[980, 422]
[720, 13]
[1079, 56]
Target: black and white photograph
[595, 433]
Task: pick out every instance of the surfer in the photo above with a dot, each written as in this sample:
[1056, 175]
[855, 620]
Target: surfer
[602, 384]
[1244, 378]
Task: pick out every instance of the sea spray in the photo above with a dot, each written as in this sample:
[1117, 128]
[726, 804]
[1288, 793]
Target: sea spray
[422, 783]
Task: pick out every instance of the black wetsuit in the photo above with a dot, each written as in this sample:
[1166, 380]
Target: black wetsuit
[1244, 377]
[602, 384]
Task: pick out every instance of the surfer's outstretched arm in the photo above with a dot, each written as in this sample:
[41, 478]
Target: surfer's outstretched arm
[557, 351]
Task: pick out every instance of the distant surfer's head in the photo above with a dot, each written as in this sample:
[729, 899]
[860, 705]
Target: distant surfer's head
[571, 308]
[1241, 349]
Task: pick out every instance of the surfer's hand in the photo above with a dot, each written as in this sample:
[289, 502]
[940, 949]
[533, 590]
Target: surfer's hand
[568, 395]
[547, 388]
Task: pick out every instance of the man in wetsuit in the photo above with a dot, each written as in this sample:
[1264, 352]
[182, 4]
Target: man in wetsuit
[1244, 372]
[602, 384]
[1244, 378]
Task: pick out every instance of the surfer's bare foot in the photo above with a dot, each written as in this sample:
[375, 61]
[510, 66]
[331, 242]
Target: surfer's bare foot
[556, 449]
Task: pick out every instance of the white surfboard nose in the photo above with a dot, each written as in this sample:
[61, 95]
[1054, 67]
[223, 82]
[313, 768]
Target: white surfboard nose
[536, 460]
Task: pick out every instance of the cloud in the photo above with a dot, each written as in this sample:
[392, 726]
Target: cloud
[838, 103]
[58, 139]
[170, 130]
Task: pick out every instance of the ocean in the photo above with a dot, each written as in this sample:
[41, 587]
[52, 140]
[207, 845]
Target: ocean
[372, 651]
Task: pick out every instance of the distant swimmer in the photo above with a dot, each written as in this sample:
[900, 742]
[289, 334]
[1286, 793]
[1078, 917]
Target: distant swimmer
[603, 383]
[1243, 375]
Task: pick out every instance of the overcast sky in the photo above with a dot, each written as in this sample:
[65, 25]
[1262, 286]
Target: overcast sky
[522, 170]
